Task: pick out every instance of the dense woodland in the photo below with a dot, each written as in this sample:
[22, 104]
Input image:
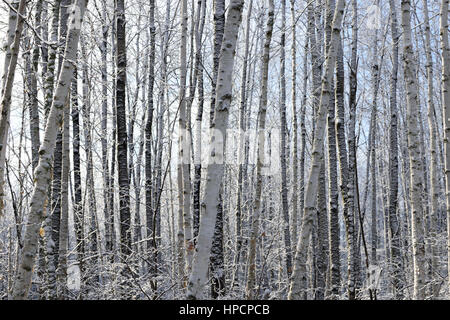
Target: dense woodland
[225, 149]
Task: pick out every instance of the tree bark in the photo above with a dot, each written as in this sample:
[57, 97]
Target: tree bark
[255, 219]
[298, 283]
[42, 173]
[13, 38]
[397, 268]
[415, 162]
[445, 52]
[122, 146]
[215, 170]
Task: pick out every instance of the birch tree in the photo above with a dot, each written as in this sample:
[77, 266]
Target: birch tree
[297, 284]
[122, 144]
[445, 52]
[215, 170]
[393, 162]
[415, 163]
[42, 172]
[12, 46]
[284, 191]
[251, 264]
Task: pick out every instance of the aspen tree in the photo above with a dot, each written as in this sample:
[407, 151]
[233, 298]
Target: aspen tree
[432, 123]
[56, 188]
[215, 170]
[64, 231]
[42, 172]
[335, 274]
[122, 145]
[353, 267]
[32, 91]
[415, 162]
[445, 52]
[216, 259]
[11, 48]
[251, 263]
[197, 156]
[184, 236]
[93, 234]
[103, 47]
[242, 143]
[295, 184]
[55, 195]
[323, 240]
[52, 222]
[393, 163]
[284, 190]
[149, 211]
[78, 212]
[373, 153]
[297, 285]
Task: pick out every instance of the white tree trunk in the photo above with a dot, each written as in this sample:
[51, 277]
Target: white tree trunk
[446, 112]
[396, 259]
[39, 201]
[215, 170]
[12, 46]
[415, 161]
[64, 226]
[283, 153]
[297, 285]
[434, 182]
[251, 262]
[295, 184]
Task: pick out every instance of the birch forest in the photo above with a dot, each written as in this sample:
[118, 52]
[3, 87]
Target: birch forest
[225, 150]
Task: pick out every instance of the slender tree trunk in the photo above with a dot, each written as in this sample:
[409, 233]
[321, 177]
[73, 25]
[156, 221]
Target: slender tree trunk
[42, 173]
[217, 270]
[93, 238]
[333, 195]
[111, 194]
[353, 270]
[284, 188]
[197, 156]
[415, 162]
[122, 146]
[215, 170]
[251, 263]
[64, 227]
[13, 38]
[397, 268]
[297, 285]
[373, 153]
[57, 164]
[240, 203]
[104, 133]
[42, 48]
[217, 259]
[335, 264]
[149, 211]
[432, 123]
[184, 235]
[78, 213]
[48, 96]
[303, 136]
[295, 184]
[32, 90]
[445, 51]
